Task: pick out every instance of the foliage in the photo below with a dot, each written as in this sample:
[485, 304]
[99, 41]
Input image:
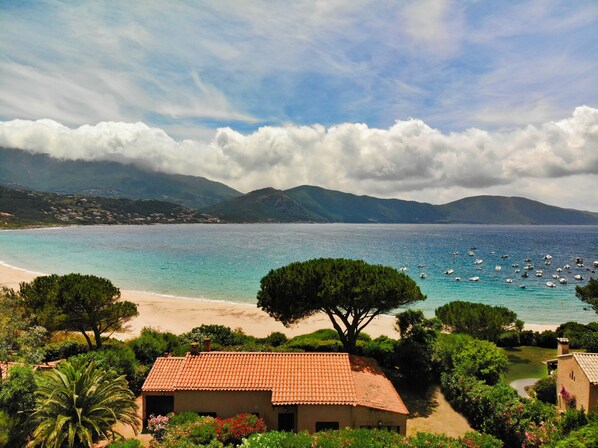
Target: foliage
[416, 347]
[153, 343]
[446, 345]
[575, 332]
[482, 360]
[383, 349]
[157, 425]
[325, 340]
[589, 293]
[509, 339]
[17, 401]
[77, 302]
[546, 339]
[78, 404]
[590, 342]
[586, 436]
[64, 349]
[477, 319]
[572, 419]
[204, 431]
[220, 335]
[6, 426]
[350, 292]
[275, 339]
[367, 438]
[131, 443]
[545, 390]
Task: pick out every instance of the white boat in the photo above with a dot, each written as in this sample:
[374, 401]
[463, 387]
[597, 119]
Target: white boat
[497, 268]
[474, 279]
[579, 260]
[578, 277]
[515, 265]
[421, 266]
[567, 266]
[522, 286]
[595, 263]
[517, 271]
[527, 260]
[504, 257]
[548, 263]
[470, 253]
[550, 284]
[509, 280]
[449, 271]
[528, 267]
[548, 257]
[422, 275]
[478, 261]
[403, 268]
[455, 253]
[559, 269]
[563, 281]
[457, 279]
[539, 273]
[555, 276]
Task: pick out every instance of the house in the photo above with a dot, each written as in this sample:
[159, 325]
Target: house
[577, 378]
[290, 391]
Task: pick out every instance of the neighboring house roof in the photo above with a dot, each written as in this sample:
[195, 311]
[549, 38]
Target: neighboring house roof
[293, 378]
[589, 364]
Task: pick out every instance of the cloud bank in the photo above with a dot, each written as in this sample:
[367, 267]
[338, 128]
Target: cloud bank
[555, 162]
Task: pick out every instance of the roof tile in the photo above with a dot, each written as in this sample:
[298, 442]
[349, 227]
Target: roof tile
[589, 364]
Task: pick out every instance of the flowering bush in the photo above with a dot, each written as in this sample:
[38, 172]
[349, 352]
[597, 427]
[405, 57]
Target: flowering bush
[231, 431]
[538, 435]
[567, 397]
[157, 425]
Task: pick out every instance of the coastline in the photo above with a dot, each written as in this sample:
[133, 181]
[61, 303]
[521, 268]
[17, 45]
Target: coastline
[179, 315]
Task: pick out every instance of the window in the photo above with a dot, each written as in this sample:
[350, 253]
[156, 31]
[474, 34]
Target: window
[323, 426]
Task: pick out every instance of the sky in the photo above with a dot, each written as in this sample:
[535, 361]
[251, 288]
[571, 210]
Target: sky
[427, 100]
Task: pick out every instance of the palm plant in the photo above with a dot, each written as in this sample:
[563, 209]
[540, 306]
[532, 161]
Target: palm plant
[79, 404]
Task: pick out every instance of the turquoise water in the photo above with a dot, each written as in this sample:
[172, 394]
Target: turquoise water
[226, 262]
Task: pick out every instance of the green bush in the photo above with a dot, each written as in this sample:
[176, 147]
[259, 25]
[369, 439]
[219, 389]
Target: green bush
[382, 349]
[275, 339]
[590, 342]
[277, 439]
[584, 437]
[131, 443]
[219, 334]
[152, 343]
[319, 341]
[546, 339]
[481, 359]
[528, 338]
[509, 339]
[573, 419]
[575, 332]
[545, 390]
[64, 349]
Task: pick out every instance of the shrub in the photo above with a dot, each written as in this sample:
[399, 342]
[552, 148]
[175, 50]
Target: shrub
[151, 344]
[382, 349]
[573, 419]
[231, 431]
[131, 443]
[573, 331]
[584, 437]
[546, 339]
[545, 390]
[445, 347]
[481, 359]
[509, 339]
[590, 342]
[64, 349]
[277, 439]
[276, 339]
[528, 338]
[219, 334]
[157, 425]
[319, 341]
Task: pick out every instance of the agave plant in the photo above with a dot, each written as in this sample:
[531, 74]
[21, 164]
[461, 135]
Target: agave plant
[78, 404]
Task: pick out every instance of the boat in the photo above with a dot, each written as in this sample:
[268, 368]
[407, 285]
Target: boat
[497, 268]
[455, 253]
[449, 271]
[539, 273]
[421, 265]
[422, 275]
[403, 268]
[515, 265]
[470, 253]
[474, 279]
[555, 276]
[578, 260]
[550, 284]
[522, 286]
[528, 267]
[457, 279]
[563, 281]
[595, 263]
[559, 269]
[509, 280]
[548, 257]
[527, 260]
[580, 265]
[567, 266]
[525, 274]
[517, 271]
[478, 261]
[504, 256]
[578, 277]
[547, 263]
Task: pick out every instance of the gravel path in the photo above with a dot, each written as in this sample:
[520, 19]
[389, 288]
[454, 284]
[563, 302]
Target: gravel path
[520, 385]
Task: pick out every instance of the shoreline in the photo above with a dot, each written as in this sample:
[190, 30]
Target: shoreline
[182, 314]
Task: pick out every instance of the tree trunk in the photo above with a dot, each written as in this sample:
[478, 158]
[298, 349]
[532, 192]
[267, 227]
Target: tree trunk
[98, 337]
[88, 339]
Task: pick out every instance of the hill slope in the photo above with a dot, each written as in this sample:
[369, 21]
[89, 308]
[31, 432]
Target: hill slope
[41, 172]
[21, 208]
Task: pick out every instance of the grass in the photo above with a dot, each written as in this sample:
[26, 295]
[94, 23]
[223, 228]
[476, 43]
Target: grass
[526, 362]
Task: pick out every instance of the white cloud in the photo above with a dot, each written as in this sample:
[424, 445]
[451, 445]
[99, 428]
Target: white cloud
[408, 160]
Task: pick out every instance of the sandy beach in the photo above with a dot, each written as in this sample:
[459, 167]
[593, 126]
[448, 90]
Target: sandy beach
[168, 313]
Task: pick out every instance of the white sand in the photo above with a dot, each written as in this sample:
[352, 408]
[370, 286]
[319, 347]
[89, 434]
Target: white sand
[167, 313]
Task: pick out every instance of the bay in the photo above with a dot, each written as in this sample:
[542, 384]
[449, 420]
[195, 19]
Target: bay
[226, 262]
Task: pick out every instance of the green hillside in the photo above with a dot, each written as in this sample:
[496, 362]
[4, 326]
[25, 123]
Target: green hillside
[23, 208]
[41, 172]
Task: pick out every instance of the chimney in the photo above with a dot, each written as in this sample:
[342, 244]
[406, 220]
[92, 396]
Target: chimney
[194, 348]
[562, 346]
[207, 345]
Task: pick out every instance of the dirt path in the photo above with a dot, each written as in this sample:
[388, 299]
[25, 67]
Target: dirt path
[442, 419]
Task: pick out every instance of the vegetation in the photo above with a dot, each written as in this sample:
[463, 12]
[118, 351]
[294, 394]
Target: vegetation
[589, 293]
[350, 292]
[477, 319]
[17, 402]
[77, 302]
[78, 404]
[527, 362]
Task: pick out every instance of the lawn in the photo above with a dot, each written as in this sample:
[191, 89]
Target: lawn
[526, 362]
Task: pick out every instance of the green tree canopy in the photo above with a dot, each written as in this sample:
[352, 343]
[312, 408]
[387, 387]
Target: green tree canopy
[589, 293]
[350, 292]
[481, 359]
[78, 404]
[77, 302]
[477, 319]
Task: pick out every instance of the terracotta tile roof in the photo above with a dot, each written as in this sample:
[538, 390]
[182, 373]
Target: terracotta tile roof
[163, 374]
[589, 364]
[293, 378]
[373, 389]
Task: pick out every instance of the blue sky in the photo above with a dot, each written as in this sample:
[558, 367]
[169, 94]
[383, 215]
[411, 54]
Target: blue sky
[276, 77]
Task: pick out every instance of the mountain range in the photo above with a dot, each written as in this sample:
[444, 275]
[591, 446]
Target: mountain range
[22, 170]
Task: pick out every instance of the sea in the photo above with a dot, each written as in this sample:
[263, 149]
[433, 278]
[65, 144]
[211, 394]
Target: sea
[225, 262]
